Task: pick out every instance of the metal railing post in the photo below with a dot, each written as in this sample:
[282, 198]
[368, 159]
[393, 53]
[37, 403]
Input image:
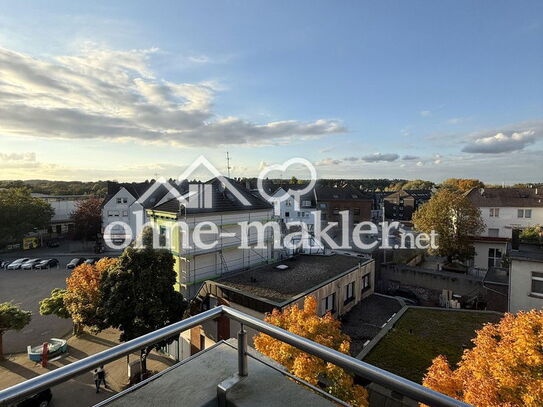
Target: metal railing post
[242, 352]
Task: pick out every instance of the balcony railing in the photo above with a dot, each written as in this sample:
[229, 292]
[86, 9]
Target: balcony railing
[384, 378]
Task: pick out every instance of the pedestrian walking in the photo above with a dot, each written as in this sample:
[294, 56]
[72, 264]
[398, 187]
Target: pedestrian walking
[102, 376]
[99, 376]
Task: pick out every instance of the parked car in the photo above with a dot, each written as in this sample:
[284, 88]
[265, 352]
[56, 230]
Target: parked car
[16, 264]
[47, 264]
[30, 264]
[92, 261]
[42, 399]
[75, 262]
[3, 263]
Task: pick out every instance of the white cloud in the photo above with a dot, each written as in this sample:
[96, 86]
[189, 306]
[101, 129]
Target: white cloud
[351, 159]
[380, 157]
[409, 157]
[425, 113]
[327, 162]
[114, 95]
[29, 157]
[501, 142]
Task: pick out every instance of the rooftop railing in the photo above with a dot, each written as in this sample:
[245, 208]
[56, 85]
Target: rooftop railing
[382, 377]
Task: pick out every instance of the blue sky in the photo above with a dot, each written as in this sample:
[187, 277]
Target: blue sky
[411, 89]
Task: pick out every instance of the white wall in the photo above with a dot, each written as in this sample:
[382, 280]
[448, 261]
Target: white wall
[118, 212]
[303, 214]
[480, 259]
[196, 265]
[508, 218]
[520, 284]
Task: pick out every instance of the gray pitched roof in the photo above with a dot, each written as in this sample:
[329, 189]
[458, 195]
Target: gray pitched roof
[506, 197]
[222, 200]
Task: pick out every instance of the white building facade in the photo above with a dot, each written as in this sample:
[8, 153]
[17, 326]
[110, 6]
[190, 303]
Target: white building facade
[526, 280]
[502, 211]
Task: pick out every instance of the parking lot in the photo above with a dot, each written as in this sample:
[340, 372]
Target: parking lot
[27, 287]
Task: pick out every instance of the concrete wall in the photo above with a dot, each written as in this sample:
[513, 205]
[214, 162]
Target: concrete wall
[520, 284]
[427, 284]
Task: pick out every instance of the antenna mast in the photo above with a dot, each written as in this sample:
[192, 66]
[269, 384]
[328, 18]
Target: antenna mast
[228, 163]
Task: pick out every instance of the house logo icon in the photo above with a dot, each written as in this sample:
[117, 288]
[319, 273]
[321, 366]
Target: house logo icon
[193, 195]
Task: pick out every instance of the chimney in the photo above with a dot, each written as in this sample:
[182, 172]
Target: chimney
[482, 191]
[248, 185]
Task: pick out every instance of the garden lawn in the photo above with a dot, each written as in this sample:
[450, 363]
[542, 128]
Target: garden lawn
[422, 334]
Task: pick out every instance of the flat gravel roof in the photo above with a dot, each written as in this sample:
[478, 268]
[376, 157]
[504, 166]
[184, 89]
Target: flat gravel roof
[303, 273]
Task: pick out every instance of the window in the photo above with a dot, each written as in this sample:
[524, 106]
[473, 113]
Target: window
[494, 212]
[494, 257]
[356, 211]
[125, 213]
[329, 304]
[288, 202]
[349, 293]
[113, 213]
[287, 214]
[162, 236]
[366, 282]
[322, 206]
[493, 232]
[306, 203]
[336, 211]
[524, 213]
[122, 200]
[537, 283]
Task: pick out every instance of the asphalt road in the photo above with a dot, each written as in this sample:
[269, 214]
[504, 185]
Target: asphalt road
[28, 287]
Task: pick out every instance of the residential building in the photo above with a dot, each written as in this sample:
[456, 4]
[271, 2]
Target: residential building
[526, 278]
[128, 202]
[502, 211]
[64, 206]
[193, 264]
[378, 198]
[505, 209]
[333, 200]
[289, 212]
[400, 205]
[338, 283]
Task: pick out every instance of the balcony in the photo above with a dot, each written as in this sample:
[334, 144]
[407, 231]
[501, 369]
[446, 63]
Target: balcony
[228, 373]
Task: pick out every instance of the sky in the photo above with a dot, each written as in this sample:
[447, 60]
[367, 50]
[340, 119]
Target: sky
[383, 89]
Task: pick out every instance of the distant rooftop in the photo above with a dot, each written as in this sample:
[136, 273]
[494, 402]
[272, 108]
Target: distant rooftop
[304, 272]
[528, 252]
[506, 197]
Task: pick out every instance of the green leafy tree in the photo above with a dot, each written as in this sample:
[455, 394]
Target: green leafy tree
[20, 213]
[12, 317]
[54, 305]
[455, 220]
[88, 218]
[532, 233]
[138, 295]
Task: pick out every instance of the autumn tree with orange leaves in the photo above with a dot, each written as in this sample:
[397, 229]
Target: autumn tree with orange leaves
[505, 368]
[82, 295]
[324, 330]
